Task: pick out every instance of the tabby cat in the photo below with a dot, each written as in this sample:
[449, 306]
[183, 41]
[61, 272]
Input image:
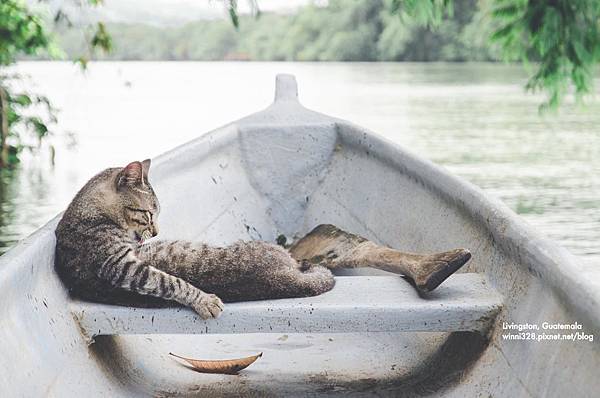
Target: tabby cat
[100, 255]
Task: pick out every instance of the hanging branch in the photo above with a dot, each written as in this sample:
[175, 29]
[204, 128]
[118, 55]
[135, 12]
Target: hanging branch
[3, 128]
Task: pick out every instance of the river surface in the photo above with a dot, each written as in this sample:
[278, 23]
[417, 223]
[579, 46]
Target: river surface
[474, 119]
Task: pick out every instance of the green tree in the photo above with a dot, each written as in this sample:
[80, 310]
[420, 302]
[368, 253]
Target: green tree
[557, 40]
[561, 38]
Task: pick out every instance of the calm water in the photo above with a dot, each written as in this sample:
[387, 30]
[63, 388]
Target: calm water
[474, 119]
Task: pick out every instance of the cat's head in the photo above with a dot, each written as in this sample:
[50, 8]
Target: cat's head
[137, 200]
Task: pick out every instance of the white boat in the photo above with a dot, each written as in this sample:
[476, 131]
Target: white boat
[283, 171]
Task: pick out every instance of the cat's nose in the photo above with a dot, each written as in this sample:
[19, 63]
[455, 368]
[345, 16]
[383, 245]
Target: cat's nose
[154, 230]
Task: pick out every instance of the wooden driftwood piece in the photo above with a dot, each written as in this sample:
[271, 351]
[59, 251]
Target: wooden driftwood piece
[334, 248]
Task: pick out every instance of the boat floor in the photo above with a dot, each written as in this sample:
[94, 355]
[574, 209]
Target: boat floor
[134, 344]
[382, 364]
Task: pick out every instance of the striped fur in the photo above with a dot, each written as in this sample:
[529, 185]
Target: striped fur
[100, 255]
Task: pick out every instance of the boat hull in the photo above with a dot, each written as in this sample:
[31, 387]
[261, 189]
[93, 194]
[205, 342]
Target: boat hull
[283, 171]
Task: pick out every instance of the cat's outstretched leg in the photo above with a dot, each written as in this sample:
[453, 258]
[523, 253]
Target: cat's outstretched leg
[125, 270]
[334, 248]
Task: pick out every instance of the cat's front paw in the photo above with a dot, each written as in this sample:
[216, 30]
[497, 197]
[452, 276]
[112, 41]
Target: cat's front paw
[208, 306]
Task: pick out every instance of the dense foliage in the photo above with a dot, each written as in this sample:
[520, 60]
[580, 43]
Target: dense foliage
[562, 37]
[346, 30]
[21, 31]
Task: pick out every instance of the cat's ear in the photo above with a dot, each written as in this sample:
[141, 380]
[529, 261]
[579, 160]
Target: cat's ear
[146, 168]
[131, 175]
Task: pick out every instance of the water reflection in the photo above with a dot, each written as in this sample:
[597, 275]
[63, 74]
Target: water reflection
[25, 202]
[7, 209]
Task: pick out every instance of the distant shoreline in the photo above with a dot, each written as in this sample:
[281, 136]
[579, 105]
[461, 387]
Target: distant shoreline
[277, 61]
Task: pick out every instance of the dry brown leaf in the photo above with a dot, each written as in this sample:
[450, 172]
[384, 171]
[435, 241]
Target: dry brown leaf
[225, 366]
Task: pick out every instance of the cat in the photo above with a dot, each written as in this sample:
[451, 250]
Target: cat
[100, 255]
